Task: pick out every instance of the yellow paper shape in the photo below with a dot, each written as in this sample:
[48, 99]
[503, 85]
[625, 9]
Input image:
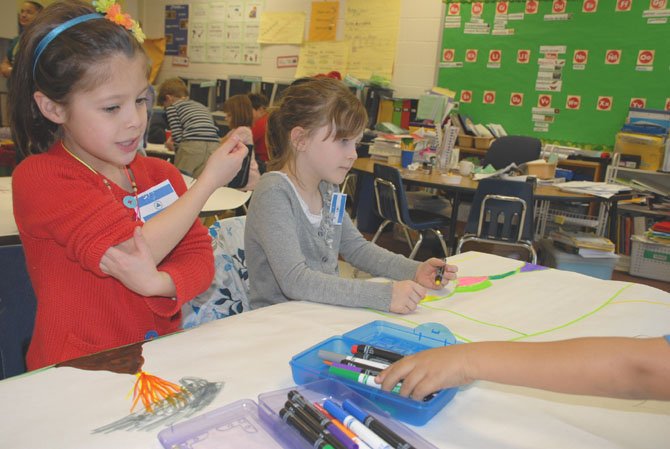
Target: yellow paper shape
[322, 57]
[282, 28]
[323, 21]
[372, 28]
[155, 49]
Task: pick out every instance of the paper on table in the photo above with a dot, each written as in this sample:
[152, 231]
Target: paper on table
[600, 189]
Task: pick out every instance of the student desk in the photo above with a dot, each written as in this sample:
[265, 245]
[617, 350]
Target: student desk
[545, 194]
[160, 150]
[249, 353]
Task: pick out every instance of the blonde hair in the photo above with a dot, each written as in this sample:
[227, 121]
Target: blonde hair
[312, 105]
[174, 87]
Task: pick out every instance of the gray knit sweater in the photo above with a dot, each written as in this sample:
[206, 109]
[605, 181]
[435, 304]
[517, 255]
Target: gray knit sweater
[288, 259]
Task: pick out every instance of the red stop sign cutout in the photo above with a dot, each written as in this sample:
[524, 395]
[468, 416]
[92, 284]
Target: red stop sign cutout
[558, 7]
[544, 101]
[624, 5]
[658, 4]
[489, 97]
[612, 56]
[516, 99]
[502, 7]
[580, 57]
[531, 6]
[645, 57]
[466, 96]
[477, 8]
[454, 9]
[638, 102]
[495, 55]
[448, 55]
[590, 6]
[471, 55]
[523, 56]
[573, 102]
[604, 103]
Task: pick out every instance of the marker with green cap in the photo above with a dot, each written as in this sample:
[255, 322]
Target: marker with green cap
[361, 378]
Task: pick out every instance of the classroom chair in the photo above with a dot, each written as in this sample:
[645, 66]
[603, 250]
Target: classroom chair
[501, 214]
[393, 208]
[17, 310]
[228, 293]
[512, 149]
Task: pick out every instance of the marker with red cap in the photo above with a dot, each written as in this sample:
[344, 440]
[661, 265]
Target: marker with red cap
[369, 352]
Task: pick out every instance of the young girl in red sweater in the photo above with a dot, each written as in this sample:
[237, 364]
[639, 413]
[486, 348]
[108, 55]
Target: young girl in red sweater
[112, 241]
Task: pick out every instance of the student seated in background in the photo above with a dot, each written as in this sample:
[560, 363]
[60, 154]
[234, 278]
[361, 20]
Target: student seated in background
[629, 368]
[194, 134]
[260, 103]
[239, 113]
[293, 240]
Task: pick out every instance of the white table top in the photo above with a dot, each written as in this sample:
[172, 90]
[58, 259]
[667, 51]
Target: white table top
[249, 353]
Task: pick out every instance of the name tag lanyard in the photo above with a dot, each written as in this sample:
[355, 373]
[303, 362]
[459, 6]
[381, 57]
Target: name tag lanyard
[130, 201]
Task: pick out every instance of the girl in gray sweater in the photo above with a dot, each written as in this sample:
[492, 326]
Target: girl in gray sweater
[293, 240]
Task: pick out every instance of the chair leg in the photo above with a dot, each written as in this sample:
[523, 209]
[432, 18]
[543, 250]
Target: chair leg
[417, 246]
[441, 238]
[380, 229]
[407, 237]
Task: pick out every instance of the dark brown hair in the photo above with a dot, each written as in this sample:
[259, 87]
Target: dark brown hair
[239, 111]
[312, 105]
[258, 101]
[73, 61]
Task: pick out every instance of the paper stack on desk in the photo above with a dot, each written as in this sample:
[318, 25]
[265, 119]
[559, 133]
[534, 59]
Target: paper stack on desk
[600, 189]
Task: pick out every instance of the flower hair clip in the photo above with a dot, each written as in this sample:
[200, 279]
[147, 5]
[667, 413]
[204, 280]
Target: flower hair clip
[112, 12]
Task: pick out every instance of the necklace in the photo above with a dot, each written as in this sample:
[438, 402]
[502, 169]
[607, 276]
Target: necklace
[130, 201]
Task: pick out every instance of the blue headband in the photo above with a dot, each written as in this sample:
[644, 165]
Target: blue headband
[46, 40]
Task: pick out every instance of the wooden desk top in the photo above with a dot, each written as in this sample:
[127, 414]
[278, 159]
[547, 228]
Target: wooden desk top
[467, 184]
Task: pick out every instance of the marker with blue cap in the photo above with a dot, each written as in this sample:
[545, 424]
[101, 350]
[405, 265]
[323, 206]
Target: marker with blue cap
[368, 436]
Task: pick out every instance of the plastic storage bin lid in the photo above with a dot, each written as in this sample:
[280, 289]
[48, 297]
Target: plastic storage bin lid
[307, 366]
[244, 424]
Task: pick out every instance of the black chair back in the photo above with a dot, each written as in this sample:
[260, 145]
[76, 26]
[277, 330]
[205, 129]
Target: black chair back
[17, 310]
[502, 218]
[391, 196]
[512, 149]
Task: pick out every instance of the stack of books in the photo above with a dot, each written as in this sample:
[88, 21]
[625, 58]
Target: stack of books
[584, 244]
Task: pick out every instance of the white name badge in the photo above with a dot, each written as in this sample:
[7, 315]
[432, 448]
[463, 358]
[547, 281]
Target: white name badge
[156, 199]
[338, 205]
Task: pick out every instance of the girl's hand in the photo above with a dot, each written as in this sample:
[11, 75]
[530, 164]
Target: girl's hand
[133, 265]
[244, 134]
[428, 371]
[224, 163]
[254, 175]
[406, 296]
[426, 272]
[169, 144]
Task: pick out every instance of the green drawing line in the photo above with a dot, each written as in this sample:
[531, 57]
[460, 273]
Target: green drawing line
[499, 326]
[473, 287]
[580, 318]
[504, 275]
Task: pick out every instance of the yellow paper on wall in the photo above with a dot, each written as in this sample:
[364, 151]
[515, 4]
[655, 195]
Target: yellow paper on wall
[282, 28]
[323, 21]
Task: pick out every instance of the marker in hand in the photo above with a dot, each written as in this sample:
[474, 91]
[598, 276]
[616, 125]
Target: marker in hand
[440, 273]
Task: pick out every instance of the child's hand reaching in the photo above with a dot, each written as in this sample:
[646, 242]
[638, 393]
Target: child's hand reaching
[426, 273]
[224, 163]
[132, 263]
[426, 372]
[406, 296]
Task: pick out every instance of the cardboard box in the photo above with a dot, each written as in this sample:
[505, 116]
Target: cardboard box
[651, 149]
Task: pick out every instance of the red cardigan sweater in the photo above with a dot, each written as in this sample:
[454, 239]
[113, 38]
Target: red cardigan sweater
[67, 219]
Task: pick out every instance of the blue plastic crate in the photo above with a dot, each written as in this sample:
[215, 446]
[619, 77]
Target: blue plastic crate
[308, 367]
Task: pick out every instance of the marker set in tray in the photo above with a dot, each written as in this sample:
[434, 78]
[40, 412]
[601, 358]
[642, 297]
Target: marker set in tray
[331, 359]
[278, 421]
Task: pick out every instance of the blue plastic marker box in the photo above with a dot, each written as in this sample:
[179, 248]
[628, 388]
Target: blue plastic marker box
[245, 424]
[308, 367]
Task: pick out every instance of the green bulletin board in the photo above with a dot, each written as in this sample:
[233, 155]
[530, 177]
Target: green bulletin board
[499, 59]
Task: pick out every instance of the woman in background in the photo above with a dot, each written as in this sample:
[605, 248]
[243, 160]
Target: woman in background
[26, 15]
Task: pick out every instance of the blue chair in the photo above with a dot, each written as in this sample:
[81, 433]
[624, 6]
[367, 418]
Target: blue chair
[393, 208]
[512, 149]
[17, 311]
[501, 213]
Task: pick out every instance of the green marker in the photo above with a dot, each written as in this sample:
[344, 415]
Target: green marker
[364, 379]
